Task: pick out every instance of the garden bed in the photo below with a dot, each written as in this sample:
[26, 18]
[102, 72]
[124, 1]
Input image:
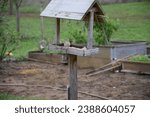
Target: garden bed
[115, 51]
[138, 67]
[138, 64]
[105, 55]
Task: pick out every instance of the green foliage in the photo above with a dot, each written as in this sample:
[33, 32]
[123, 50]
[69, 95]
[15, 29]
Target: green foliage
[8, 38]
[6, 96]
[104, 31]
[9, 42]
[134, 24]
[3, 4]
[134, 20]
[140, 58]
[77, 32]
[30, 9]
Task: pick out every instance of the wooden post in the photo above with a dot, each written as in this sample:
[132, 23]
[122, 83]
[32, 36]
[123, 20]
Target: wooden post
[90, 30]
[73, 92]
[57, 31]
[42, 28]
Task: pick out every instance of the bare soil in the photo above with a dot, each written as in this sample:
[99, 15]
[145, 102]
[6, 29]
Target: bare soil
[111, 85]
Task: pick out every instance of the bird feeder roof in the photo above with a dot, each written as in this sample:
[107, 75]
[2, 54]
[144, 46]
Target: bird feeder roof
[73, 9]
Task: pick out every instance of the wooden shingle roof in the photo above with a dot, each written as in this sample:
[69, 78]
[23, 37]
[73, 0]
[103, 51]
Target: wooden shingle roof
[72, 9]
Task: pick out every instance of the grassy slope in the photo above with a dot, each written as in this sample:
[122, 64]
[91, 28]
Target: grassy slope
[134, 20]
[134, 25]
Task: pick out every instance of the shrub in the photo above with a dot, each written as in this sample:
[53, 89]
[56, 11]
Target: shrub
[9, 42]
[102, 32]
[77, 32]
[8, 39]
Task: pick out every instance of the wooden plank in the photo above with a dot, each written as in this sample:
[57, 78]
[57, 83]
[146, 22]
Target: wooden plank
[90, 30]
[73, 90]
[90, 52]
[42, 28]
[136, 66]
[74, 51]
[70, 9]
[105, 70]
[57, 30]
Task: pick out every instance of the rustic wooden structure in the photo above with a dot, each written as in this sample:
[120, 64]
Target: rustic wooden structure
[137, 67]
[87, 10]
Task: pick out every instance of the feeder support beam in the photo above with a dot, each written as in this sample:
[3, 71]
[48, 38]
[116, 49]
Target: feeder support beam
[57, 41]
[73, 89]
[90, 30]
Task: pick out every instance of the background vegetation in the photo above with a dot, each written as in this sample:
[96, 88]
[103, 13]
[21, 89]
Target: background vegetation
[133, 18]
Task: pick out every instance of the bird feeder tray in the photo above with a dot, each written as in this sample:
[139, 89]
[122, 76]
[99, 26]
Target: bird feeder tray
[74, 50]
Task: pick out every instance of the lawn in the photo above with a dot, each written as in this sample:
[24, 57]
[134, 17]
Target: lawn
[134, 25]
[134, 20]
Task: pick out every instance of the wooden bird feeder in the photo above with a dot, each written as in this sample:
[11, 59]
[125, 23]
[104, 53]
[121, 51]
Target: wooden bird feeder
[82, 10]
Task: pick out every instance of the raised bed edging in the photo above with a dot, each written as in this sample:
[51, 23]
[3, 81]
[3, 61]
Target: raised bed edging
[109, 53]
[56, 58]
[106, 55]
[141, 67]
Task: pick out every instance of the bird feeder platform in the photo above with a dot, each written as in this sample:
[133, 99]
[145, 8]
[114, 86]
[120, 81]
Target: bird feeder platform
[74, 50]
[81, 10]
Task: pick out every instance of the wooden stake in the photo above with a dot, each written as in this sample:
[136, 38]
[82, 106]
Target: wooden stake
[73, 77]
[90, 30]
[57, 41]
[42, 28]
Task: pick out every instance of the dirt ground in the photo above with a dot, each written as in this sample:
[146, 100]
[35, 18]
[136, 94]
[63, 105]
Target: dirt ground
[40, 76]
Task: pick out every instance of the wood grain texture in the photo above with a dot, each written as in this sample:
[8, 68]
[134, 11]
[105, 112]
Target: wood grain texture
[74, 51]
[70, 9]
[73, 89]
[57, 41]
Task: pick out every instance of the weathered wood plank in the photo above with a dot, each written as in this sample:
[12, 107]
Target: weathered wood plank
[57, 30]
[74, 51]
[90, 30]
[142, 67]
[70, 9]
[73, 89]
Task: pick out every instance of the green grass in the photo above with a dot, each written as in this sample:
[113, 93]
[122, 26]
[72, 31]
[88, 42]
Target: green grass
[30, 9]
[134, 19]
[140, 58]
[7, 96]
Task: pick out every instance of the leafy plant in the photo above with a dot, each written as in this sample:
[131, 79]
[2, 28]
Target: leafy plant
[77, 33]
[3, 4]
[9, 42]
[103, 31]
[8, 39]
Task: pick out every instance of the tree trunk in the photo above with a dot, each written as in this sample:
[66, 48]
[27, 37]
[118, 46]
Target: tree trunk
[10, 7]
[17, 20]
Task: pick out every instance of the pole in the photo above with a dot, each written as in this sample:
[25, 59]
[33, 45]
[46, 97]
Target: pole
[90, 30]
[73, 77]
[57, 30]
